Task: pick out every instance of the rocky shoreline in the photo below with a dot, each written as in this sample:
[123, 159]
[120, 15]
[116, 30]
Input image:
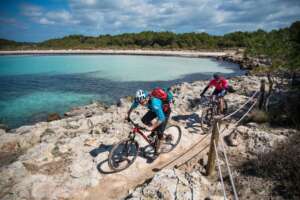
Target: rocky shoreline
[246, 62]
[60, 159]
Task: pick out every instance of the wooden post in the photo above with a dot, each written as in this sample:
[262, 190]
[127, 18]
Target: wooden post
[267, 97]
[211, 163]
[262, 94]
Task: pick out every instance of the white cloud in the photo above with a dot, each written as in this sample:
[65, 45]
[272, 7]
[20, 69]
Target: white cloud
[45, 21]
[111, 16]
[31, 10]
[61, 17]
[42, 16]
[89, 2]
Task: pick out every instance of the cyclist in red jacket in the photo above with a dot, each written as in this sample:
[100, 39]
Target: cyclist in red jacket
[221, 86]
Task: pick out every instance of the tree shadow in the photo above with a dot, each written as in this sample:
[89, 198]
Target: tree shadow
[195, 103]
[193, 121]
[101, 149]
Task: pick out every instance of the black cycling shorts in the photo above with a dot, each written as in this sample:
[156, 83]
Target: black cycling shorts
[219, 93]
[149, 116]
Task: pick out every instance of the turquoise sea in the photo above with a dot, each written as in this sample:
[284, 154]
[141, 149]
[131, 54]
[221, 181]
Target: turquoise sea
[33, 86]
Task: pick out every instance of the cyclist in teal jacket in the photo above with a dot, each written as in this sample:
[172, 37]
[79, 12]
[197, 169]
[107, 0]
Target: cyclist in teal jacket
[156, 110]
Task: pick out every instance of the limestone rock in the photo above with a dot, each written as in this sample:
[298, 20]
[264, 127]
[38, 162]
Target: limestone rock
[176, 184]
[3, 127]
[2, 132]
[53, 117]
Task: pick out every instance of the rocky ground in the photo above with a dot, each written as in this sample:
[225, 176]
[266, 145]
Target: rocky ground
[189, 181]
[62, 159]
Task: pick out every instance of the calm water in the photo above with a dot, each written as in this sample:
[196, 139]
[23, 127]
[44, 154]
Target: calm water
[33, 86]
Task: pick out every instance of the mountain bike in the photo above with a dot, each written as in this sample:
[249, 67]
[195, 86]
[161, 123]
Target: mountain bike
[125, 152]
[212, 108]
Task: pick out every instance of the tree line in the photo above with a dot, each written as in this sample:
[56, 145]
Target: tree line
[146, 40]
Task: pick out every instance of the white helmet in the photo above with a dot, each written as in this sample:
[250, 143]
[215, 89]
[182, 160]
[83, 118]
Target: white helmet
[140, 95]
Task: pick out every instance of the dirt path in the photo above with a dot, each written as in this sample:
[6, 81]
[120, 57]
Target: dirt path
[117, 185]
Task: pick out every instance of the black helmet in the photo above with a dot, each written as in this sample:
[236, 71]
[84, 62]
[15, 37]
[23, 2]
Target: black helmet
[216, 75]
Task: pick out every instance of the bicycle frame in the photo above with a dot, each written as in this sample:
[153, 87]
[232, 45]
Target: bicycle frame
[214, 103]
[136, 130]
[212, 100]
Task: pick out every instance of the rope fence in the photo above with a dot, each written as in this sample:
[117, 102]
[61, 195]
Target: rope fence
[251, 107]
[228, 169]
[242, 106]
[220, 171]
[213, 154]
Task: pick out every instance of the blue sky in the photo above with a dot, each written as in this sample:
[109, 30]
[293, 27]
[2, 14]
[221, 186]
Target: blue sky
[38, 20]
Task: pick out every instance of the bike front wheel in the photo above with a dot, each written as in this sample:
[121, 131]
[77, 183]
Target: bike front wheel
[207, 119]
[171, 138]
[123, 154]
[225, 109]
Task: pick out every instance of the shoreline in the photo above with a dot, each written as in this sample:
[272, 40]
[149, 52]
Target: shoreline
[118, 52]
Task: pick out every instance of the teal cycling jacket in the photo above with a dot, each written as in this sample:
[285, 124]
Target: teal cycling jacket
[156, 106]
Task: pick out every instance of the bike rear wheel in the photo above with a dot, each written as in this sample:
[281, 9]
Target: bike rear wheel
[171, 138]
[123, 154]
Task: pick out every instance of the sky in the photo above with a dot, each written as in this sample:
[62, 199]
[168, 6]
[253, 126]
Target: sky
[39, 20]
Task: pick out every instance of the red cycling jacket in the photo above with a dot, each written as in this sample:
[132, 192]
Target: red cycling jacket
[219, 84]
